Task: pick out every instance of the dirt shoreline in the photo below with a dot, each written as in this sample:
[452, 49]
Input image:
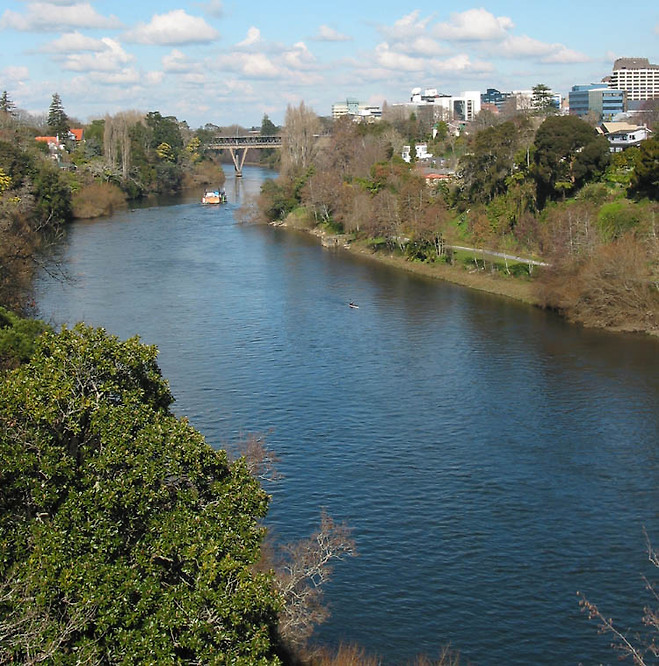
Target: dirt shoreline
[514, 288]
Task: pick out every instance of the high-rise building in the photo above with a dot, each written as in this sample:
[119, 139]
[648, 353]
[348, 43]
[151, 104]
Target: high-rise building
[637, 77]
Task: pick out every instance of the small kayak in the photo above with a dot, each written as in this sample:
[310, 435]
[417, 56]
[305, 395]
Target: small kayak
[354, 305]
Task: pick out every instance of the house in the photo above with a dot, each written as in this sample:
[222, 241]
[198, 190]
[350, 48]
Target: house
[623, 135]
[421, 152]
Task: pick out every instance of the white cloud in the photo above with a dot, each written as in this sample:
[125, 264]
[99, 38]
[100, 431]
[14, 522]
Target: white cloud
[327, 34]
[391, 59]
[252, 65]
[122, 77]
[474, 25]
[112, 58]
[14, 74]
[253, 37]
[407, 27]
[73, 42]
[213, 8]
[298, 57]
[421, 45]
[563, 56]
[178, 62]
[175, 27]
[527, 47]
[49, 17]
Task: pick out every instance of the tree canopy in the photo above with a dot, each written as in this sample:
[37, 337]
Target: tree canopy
[568, 153]
[124, 537]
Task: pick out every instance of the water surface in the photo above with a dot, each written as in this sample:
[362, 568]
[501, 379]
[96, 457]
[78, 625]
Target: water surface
[491, 459]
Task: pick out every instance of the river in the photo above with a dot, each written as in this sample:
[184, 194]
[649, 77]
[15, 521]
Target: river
[491, 459]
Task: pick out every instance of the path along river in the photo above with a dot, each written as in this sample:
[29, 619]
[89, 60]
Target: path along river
[491, 458]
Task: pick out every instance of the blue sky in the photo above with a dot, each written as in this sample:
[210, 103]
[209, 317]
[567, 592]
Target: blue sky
[232, 61]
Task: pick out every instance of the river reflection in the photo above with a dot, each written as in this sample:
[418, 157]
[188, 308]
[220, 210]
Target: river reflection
[491, 458]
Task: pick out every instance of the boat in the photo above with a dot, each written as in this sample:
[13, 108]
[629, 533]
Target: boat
[353, 305]
[214, 197]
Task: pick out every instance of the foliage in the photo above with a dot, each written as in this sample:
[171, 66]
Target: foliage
[17, 338]
[543, 99]
[164, 130]
[6, 104]
[491, 161]
[645, 179]
[96, 199]
[568, 153]
[616, 218]
[58, 121]
[123, 536]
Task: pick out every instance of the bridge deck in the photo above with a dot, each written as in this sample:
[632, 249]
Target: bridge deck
[246, 142]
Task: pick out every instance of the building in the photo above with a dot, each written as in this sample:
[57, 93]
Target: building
[463, 107]
[637, 77]
[421, 150]
[623, 135]
[495, 98]
[595, 98]
[357, 110]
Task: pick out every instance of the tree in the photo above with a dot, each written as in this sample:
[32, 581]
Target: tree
[642, 650]
[6, 105]
[645, 177]
[268, 128]
[304, 567]
[123, 536]
[568, 153]
[58, 121]
[490, 161]
[299, 140]
[543, 99]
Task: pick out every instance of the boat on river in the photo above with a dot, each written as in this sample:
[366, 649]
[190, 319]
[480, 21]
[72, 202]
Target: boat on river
[214, 197]
[353, 305]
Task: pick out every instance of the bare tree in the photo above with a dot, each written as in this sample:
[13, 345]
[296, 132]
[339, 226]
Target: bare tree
[117, 140]
[299, 140]
[642, 650]
[304, 567]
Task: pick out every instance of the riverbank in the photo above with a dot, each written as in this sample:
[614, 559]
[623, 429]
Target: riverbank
[491, 282]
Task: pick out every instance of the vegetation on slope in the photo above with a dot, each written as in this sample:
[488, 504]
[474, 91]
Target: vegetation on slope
[545, 189]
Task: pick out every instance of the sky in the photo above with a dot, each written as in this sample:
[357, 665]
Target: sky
[233, 61]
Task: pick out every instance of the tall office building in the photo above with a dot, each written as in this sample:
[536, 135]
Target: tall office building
[637, 77]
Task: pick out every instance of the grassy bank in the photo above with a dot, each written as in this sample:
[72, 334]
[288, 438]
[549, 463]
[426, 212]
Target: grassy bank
[491, 279]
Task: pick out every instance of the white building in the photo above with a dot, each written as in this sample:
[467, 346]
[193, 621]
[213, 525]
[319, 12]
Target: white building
[623, 135]
[637, 77]
[359, 111]
[464, 107]
[421, 152]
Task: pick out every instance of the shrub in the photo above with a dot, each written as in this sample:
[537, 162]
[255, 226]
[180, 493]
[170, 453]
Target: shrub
[97, 199]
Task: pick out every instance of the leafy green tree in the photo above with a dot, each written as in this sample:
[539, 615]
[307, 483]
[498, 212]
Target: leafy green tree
[490, 161]
[164, 130]
[17, 338]
[645, 178]
[58, 121]
[268, 128]
[124, 537]
[568, 153]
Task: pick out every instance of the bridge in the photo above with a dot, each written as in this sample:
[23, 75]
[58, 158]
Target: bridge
[239, 145]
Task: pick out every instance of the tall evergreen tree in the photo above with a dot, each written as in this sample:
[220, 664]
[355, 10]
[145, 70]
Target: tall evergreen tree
[6, 104]
[58, 121]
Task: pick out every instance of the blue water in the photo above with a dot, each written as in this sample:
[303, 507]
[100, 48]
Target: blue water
[491, 459]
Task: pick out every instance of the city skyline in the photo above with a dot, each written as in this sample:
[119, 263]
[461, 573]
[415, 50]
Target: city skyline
[222, 62]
